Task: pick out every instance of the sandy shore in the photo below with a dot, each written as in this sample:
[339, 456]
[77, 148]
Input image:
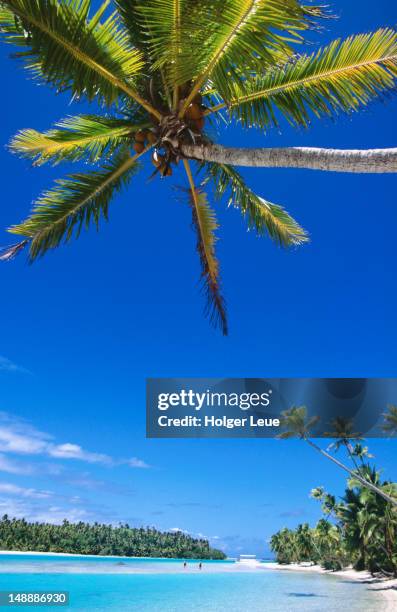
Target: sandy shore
[59, 554]
[387, 588]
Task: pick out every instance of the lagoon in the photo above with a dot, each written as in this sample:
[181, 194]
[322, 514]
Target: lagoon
[152, 585]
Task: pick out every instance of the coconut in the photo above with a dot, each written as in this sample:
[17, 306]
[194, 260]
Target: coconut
[140, 136]
[194, 111]
[199, 123]
[152, 138]
[138, 147]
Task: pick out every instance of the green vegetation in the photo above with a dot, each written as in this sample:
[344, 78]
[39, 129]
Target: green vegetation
[296, 424]
[359, 529]
[159, 73]
[390, 426]
[86, 539]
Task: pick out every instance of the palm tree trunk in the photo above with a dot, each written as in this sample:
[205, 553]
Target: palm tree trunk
[364, 482]
[376, 161]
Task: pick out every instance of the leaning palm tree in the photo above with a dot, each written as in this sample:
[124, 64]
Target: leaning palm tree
[167, 73]
[296, 424]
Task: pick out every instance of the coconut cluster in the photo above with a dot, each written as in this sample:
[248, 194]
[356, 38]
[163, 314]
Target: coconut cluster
[170, 133]
[142, 139]
[195, 113]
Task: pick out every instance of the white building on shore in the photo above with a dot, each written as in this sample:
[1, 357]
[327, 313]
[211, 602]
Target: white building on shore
[248, 559]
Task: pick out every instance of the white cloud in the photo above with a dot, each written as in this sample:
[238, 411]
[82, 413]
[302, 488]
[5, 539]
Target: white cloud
[74, 451]
[7, 365]
[75, 499]
[178, 530]
[12, 489]
[14, 467]
[19, 437]
[134, 462]
[12, 442]
[14, 508]
[57, 515]
[31, 510]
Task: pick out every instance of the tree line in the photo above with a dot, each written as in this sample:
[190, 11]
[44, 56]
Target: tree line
[101, 539]
[360, 528]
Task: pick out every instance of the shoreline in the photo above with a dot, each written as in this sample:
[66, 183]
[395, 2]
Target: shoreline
[387, 587]
[82, 556]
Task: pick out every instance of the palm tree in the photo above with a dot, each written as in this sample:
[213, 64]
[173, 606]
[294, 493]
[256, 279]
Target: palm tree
[296, 424]
[364, 533]
[328, 501]
[370, 524]
[284, 544]
[327, 539]
[390, 425]
[343, 433]
[164, 70]
[305, 543]
[86, 538]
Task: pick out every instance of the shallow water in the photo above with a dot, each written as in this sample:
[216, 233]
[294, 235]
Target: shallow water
[81, 564]
[162, 585]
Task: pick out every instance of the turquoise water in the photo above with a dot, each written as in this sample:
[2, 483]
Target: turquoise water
[163, 585]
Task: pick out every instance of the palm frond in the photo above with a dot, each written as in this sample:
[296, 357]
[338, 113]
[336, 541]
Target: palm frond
[169, 25]
[205, 224]
[87, 137]
[66, 48]
[177, 40]
[255, 32]
[73, 203]
[128, 11]
[296, 423]
[263, 216]
[143, 34]
[390, 423]
[343, 76]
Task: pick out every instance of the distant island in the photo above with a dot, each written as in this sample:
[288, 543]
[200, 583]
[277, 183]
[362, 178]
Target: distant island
[100, 539]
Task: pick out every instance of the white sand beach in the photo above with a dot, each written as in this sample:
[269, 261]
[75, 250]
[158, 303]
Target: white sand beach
[386, 587]
[61, 554]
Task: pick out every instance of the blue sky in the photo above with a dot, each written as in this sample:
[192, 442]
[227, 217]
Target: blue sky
[82, 328]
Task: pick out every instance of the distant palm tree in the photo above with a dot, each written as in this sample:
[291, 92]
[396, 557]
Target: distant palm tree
[328, 543]
[297, 425]
[390, 425]
[162, 69]
[284, 544]
[305, 543]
